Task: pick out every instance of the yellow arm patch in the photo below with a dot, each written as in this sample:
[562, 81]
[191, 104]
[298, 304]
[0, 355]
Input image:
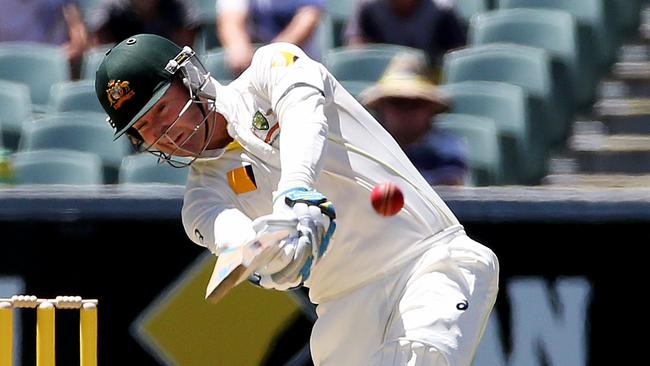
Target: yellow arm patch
[233, 145]
[283, 59]
[242, 179]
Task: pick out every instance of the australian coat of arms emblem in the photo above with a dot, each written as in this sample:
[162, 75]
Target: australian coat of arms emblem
[118, 92]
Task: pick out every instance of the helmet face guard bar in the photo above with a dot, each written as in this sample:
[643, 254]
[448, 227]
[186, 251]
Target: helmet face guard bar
[195, 78]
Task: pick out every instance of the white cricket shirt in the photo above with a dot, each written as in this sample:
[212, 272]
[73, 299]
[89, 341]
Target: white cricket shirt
[295, 125]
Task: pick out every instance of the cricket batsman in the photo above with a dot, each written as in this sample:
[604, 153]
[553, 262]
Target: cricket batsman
[286, 147]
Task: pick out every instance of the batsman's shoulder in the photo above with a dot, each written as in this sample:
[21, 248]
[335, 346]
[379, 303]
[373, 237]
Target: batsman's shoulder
[279, 54]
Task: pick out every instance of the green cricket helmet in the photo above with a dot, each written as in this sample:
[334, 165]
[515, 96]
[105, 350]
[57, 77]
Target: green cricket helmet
[133, 76]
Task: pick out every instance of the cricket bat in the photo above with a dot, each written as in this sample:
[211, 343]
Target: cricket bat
[235, 265]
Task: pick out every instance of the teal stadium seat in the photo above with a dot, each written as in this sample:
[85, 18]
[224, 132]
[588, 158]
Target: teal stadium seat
[206, 37]
[595, 17]
[15, 110]
[87, 6]
[144, 168]
[78, 95]
[91, 60]
[628, 17]
[482, 141]
[215, 62]
[523, 155]
[37, 65]
[466, 9]
[325, 36]
[355, 87]
[556, 31]
[80, 131]
[56, 166]
[529, 67]
[339, 11]
[364, 63]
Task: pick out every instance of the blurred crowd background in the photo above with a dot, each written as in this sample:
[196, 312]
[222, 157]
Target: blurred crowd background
[477, 92]
[548, 98]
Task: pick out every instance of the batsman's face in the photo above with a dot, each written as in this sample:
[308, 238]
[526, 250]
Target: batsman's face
[172, 125]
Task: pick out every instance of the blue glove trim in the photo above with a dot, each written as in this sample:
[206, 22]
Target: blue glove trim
[311, 198]
[327, 208]
[303, 189]
[306, 269]
[326, 238]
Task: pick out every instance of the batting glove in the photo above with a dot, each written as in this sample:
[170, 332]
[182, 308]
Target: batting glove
[315, 217]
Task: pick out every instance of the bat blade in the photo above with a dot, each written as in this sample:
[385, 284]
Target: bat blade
[236, 265]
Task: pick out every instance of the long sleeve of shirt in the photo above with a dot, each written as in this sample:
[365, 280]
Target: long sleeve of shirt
[294, 85]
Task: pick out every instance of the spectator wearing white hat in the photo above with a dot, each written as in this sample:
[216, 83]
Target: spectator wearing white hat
[405, 100]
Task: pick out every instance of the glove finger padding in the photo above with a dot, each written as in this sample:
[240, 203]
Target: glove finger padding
[268, 224]
[272, 223]
[313, 220]
[281, 260]
[292, 272]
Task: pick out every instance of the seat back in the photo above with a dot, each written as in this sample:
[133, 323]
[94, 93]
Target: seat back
[356, 87]
[88, 6]
[365, 63]
[56, 166]
[144, 168]
[339, 11]
[523, 152]
[325, 37]
[595, 15]
[215, 62]
[206, 37]
[483, 151]
[529, 67]
[628, 17]
[556, 31]
[80, 131]
[37, 65]
[91, 60]
[78, 95]
[465, 9]
[15, 110]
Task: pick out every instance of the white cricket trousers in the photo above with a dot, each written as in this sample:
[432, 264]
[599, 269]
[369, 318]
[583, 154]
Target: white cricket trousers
[432, 311]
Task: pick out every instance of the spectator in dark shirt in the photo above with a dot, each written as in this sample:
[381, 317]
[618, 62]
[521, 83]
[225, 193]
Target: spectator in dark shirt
[429, 25]
[405, 100]
[242, 23]
[57, 22]
[115, 20]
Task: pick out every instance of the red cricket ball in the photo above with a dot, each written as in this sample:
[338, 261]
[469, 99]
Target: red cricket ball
[387, 199]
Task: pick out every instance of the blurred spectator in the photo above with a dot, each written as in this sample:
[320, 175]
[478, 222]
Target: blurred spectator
[405, 100]
[115, 20]
[241, 23]
[57, 22]
[429, 25]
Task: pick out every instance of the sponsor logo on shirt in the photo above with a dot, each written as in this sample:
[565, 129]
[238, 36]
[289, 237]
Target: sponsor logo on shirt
[242, 180]
[260, 122]
[265, 126]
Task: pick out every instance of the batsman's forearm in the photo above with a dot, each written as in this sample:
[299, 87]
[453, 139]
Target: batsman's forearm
[303, 137]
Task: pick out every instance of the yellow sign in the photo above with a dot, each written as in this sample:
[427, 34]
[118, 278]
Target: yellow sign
[182, 328]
